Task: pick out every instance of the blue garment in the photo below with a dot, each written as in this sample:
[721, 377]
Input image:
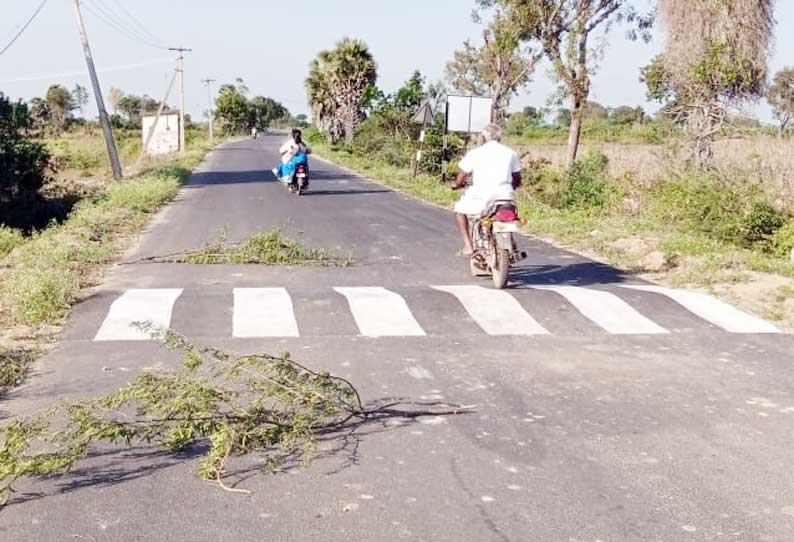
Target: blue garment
[288, 169]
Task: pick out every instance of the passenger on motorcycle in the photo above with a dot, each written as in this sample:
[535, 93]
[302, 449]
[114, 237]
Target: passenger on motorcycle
[495, 170]
[293, 153]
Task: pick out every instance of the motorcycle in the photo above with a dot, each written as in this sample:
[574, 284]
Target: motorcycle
[299, 182]
[493, 236]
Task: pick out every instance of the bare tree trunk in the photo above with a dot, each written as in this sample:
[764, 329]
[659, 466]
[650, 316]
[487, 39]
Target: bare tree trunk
[574, 132]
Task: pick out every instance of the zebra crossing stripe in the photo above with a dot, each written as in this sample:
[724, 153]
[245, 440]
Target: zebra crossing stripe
[151, 306]
[495, 311]
[719, 313]
[379, 312]
[607, 311]
[263, 312]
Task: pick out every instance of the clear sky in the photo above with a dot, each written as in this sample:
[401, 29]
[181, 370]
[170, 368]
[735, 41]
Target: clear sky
[270, 43]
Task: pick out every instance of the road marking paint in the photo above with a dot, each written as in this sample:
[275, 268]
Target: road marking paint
[153, 306]
[381, 313]
[263, 312]
[711, 309]
[607, 311]
[495, 311]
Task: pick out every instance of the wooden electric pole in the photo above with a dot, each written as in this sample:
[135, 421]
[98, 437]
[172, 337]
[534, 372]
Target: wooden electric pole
[181, 70]
[115, 164]
[208, 82]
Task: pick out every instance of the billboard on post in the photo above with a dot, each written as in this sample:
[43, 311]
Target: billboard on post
[468, 114]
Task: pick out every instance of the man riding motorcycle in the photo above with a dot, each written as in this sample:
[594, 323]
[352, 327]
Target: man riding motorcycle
[495, 170]
[293, 153]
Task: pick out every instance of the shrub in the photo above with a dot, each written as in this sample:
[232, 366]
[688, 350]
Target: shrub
[9, 240]
[737, 213]
[759, 225]
[587, 185]
[783, 240]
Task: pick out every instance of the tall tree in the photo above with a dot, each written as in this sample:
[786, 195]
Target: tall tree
[60, 103]
[39, 113]
[715, 58]
[132, 107]
[80, 97]
[114, 97]
[321, 100]
[781, 96]
[337, 83]
[264, 111]
[231, 110]
[563, 28]
[499, 67]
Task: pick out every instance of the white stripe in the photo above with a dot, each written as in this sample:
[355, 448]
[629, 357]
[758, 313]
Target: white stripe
[381, 313]
[495, 311]
[713, 310]
[263, 312]
[153, 307]
[607, 311]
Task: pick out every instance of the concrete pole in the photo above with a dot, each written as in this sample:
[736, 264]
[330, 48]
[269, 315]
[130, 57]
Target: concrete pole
[208, 82]
[181, 70]
[113, 154]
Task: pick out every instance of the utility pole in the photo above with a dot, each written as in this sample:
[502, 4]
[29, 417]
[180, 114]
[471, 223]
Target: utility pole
[181, 70]
[208, 82]
[100, 103]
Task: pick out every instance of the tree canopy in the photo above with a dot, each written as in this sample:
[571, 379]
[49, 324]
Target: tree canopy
[337, 85]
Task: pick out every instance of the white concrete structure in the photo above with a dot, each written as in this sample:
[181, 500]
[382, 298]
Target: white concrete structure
[165, 138]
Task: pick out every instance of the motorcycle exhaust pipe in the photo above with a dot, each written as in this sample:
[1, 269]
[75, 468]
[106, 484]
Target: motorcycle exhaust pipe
[523, 255]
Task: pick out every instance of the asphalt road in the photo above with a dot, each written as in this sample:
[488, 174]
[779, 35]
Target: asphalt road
[607, 413]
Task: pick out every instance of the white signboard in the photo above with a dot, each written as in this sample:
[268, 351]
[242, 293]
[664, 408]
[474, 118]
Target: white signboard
[165, 138]
[468, 113]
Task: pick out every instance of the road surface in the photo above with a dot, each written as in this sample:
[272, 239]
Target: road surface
[606, 409]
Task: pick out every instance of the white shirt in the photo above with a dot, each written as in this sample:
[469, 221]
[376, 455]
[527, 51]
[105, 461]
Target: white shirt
[492, 166]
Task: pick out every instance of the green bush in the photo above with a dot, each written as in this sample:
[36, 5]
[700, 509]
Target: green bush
[10, 238]
[587, 184]
[759, 226]
[783, 240]
[736, 213]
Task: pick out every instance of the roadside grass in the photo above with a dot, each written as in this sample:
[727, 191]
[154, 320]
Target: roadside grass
[264, 248]
[10, 238]
[43, 275]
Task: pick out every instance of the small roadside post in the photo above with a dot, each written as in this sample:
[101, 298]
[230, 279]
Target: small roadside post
[423, 116]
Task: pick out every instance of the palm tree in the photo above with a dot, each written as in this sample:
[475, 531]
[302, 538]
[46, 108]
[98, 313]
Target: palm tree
[321, 100]
[336, 84]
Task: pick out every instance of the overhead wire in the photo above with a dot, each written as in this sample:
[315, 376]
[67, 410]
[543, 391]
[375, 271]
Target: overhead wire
[43, 76]
[109, 19]
[24, 27]
[137, 23]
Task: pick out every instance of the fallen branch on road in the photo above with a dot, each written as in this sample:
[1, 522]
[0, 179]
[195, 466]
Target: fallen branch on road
[238, 404]
[264, 248]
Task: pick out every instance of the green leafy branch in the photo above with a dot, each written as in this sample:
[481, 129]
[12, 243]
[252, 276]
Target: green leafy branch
[239, 404]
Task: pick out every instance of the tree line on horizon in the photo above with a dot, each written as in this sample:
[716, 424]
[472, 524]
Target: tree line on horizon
[715, 61]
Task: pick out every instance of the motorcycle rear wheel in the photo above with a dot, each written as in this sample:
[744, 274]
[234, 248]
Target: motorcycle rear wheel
[501, 268]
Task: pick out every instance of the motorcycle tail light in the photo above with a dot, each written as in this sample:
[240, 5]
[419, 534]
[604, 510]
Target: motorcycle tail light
[506, 215]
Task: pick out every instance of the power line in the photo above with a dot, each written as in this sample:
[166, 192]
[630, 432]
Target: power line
[137, 23]
[24, 27]
[103, 15]
[43, 76]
